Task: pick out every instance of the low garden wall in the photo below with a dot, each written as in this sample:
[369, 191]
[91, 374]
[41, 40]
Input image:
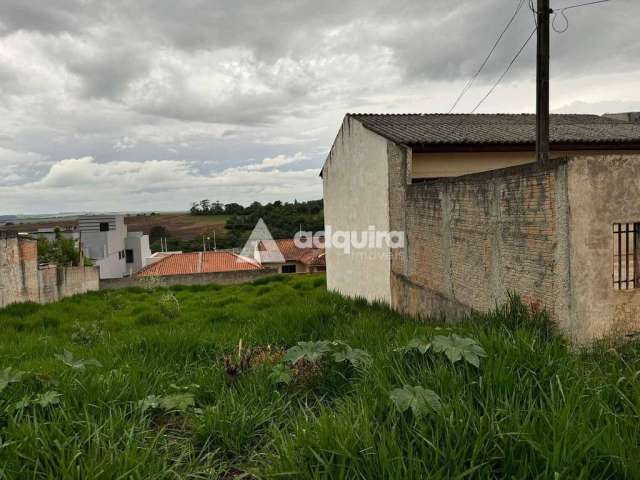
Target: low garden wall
[55, 283]
[22, 280]
[220, 278]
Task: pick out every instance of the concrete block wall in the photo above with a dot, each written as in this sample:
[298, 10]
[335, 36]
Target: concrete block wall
[21, 280]
[48, 283]
[18, 270]
[75, 280]
[56, 283]
[471, 239]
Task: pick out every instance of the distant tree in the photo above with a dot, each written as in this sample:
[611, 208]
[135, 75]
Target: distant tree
[255, 207]
[157, 232]
[204, 206]
[216, 208]
[283, 219]
[233, 209]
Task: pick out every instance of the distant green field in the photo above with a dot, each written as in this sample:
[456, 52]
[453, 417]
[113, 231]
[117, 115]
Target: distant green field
[207, 382]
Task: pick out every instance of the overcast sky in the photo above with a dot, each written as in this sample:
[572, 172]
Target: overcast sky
[126, 105]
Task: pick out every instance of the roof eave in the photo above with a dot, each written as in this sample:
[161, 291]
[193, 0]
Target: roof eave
[519, 147]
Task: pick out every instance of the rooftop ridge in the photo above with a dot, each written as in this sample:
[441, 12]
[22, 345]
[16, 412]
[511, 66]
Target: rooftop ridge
[496, 114]
[451, 129]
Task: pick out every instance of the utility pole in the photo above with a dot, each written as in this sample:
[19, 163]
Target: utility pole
[542, 83]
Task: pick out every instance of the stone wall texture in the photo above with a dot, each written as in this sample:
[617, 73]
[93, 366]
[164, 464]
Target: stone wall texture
[21, 280]
[545, 233]
[470, 240]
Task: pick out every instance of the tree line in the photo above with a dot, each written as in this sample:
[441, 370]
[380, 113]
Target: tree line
[282, 219]
[207, 207]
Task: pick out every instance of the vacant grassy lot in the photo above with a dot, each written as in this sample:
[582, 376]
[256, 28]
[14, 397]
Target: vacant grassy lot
[156, 384]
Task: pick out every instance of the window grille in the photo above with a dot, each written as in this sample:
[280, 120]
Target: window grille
[625, 256]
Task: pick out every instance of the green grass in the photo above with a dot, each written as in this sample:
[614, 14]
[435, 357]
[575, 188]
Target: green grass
[533, 409]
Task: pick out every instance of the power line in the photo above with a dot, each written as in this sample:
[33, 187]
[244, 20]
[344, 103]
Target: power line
[518, 53]
[504, 74]
[566, 19]
[484, 63]
[534, 12]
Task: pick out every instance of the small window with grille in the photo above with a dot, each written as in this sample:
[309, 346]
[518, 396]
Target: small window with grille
[626, 269]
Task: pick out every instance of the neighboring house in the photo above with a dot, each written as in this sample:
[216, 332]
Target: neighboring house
[115, 251]
[281, 256]
[290, 258]
[481, 218]
[199, 263]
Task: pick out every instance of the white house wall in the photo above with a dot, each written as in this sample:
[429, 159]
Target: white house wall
[356, 196]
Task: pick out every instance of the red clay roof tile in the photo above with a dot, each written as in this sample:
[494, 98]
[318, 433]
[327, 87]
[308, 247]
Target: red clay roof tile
[199, 262]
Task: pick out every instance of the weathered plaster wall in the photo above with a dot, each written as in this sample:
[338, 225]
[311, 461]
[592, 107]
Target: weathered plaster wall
[472, 239]
[356, 197]
[56, 283]
[602, 190]
[18, 270]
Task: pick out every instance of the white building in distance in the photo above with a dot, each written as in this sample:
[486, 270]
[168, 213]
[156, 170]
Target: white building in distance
[118, 253]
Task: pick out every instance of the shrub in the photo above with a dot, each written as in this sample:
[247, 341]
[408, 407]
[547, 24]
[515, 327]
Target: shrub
[169, 305]
[149, 317]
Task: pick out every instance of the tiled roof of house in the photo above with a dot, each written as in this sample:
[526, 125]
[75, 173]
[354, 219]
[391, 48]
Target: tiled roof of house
[199, 262]
[227, 262]
[314, 257]
[505, 129]
[292, 253]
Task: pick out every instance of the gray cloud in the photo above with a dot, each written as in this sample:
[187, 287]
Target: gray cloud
[52, 16]
[222, 85]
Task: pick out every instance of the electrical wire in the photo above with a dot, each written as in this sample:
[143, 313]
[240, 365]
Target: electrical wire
[504, 74]
[566, 19]
[534, 12]
[484, 63]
